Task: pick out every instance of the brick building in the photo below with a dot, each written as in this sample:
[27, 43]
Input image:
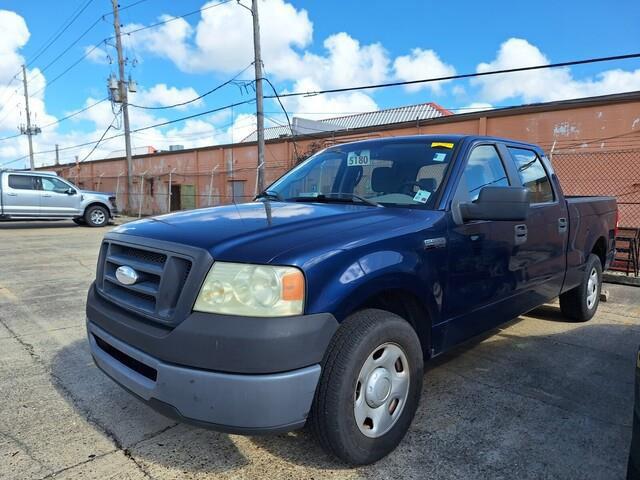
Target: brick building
[594, 144]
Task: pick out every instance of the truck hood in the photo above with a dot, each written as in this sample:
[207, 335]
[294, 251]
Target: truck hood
[260, 231]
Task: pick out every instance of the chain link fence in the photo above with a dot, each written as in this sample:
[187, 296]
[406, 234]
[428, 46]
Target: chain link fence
[614, 172]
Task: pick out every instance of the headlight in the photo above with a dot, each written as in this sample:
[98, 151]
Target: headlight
[252, 290]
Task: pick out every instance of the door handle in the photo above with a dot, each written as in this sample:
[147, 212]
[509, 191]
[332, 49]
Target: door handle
[12, 194]
[46, 194]
[562, 225]
[520, 234]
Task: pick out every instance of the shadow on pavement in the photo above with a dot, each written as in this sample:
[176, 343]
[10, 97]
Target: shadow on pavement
[40, 224]
[505, 405]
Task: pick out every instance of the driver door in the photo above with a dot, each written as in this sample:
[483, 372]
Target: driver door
[483, 275]
[58, 198]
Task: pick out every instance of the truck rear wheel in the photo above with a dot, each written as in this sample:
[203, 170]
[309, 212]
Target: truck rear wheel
[96, 216]
[369, 388]
[580, 303]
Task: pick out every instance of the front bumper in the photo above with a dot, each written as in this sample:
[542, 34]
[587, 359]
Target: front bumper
[245, 404]
[231, 373]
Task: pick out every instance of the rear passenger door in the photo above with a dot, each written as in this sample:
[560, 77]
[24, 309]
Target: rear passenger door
[543, 255]
[20, 195]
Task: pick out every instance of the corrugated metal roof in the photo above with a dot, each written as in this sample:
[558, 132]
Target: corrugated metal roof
[421, 111]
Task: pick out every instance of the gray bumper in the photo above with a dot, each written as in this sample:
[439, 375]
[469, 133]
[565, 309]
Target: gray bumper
[235, 403]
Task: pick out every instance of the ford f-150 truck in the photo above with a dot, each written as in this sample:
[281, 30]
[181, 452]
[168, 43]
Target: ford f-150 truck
[27, 195]
[319, 302]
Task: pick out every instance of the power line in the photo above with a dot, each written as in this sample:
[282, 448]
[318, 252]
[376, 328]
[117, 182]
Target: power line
[141, 129]
[218, 87]
[71, 45]
[77, 112]
[66, 70]
[172, 19]
[115, 116]
[460, 76]
[64, 28]
[286, 114]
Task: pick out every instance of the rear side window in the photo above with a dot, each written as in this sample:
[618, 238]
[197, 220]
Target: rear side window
[484, 169]
[532, 174]
[21, 182]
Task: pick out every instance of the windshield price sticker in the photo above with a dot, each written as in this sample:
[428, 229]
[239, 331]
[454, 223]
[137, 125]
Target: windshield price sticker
[422, 196]
[439, 157]
[358, 159]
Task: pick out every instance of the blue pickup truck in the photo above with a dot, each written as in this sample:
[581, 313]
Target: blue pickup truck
[319, 302]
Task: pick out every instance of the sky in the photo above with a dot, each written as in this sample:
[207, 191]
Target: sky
[306, 44]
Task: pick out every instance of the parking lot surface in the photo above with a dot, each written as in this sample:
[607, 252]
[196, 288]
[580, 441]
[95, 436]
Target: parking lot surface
[538, 398]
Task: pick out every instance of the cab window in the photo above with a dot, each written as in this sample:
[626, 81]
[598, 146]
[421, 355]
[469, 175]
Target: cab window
[53, 185]
[484, 169]
[532, 174]
[21, 182]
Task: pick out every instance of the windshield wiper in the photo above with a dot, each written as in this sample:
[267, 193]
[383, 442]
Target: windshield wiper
[334, 195]
[269, 195]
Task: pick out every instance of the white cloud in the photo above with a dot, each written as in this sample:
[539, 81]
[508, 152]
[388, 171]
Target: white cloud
[222, 39]
[326, 106]
[162, 95]
[421, 64]
[15, 34]
[346, 64]
[548, 84]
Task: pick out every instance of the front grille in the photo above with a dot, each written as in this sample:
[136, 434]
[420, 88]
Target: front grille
[162, 276]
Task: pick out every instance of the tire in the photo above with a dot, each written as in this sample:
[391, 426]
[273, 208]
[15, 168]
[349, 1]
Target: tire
[79, 221]
[96, 216]
[581, 303]
[349, 367]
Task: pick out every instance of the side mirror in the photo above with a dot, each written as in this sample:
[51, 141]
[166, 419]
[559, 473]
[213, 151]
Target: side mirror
[498, 203]
[71, 191]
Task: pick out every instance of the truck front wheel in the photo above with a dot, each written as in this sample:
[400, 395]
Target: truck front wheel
[580, 303]
[96, 216]
[369, 388]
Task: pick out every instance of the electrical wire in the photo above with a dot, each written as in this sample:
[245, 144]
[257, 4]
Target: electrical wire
[66, 70]
[286, 114]
[141, 129]
[100, 139]
[70, 46]
[57, 35]
[172, 19]
[218, 87]
[458, 77]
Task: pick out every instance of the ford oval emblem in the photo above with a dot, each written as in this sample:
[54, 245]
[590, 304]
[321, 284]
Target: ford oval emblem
[127, 275]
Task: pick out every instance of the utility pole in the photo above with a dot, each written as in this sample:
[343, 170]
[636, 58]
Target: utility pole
[28, 131]
[121, 97]
[259, 108]
[57, 155]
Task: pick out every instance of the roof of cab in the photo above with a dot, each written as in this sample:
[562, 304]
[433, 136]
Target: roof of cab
[441, 138]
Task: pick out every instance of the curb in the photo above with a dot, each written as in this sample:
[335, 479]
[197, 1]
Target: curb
[621, 279]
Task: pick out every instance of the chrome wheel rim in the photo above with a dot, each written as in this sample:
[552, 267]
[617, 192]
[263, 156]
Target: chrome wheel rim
[97, 217]
[381, 390]
[592, 288]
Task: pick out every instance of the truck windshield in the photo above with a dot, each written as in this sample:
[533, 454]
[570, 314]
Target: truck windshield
[403, 173]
